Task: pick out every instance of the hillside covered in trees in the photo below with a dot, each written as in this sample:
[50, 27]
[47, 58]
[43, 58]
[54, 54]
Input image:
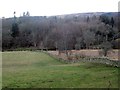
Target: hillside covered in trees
[62, 32]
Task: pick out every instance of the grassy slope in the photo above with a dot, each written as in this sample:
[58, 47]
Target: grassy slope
[36, 69]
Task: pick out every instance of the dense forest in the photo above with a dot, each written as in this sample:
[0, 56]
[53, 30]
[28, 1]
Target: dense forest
[63, 32]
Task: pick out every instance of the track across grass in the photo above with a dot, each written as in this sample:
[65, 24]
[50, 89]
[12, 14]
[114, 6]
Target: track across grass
[30, 69]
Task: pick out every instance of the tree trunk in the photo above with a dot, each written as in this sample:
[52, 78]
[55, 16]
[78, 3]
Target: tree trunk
[35, 44]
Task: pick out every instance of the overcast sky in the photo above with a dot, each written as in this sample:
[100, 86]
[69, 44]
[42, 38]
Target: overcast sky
[55, 7]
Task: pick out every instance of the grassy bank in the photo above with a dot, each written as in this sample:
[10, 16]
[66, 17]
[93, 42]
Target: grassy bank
[29, 69]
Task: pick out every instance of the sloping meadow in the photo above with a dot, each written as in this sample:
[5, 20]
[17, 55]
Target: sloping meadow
[35, 69]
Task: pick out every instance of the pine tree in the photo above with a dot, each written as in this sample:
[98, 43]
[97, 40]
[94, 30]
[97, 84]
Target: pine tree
[15, 28]
[112, 22]
[27, 14]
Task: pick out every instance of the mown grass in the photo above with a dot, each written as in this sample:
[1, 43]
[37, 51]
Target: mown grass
[27, 69]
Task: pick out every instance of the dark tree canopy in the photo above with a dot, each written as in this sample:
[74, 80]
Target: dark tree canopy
[15, 30]
[59, 32]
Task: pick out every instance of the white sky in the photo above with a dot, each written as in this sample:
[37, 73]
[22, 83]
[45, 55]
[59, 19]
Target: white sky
[55, 7]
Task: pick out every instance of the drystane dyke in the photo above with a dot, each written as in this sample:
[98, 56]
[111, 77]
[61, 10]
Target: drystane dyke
[103, 60]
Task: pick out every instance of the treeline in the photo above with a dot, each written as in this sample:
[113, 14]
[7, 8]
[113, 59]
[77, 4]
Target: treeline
[67, 33]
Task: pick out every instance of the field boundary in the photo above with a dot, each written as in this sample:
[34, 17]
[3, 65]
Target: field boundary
[57, 58]
[100, 60]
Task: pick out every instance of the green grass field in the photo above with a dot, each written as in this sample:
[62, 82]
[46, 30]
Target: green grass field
[25, 69]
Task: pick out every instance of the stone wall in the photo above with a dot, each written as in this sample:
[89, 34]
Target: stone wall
[94, 56]
[112, 54]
